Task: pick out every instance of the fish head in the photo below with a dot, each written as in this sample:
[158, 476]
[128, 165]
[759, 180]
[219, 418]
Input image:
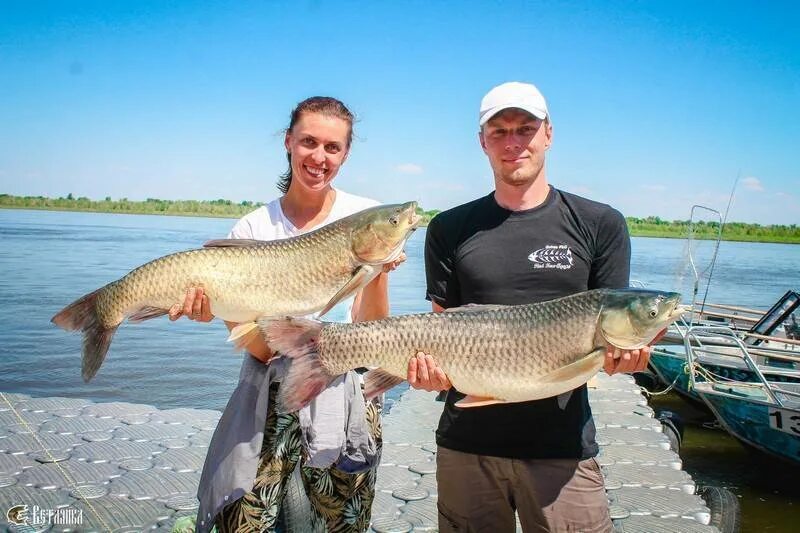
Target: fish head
[631, 318]
[380, 233]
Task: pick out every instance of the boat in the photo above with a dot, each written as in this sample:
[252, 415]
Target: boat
[669, 364]
[777, 356]
[762, 414]
[770, 336]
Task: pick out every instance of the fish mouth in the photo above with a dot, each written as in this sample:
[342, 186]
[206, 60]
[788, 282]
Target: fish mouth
[413, 222]
[413, 218]
[678, 310]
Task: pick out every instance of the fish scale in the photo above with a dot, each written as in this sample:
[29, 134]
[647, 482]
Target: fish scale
[491, 353]
[245, 280]
[252, 277]
[520, 340]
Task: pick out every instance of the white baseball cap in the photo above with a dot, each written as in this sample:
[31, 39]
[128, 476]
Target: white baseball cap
[513, 94]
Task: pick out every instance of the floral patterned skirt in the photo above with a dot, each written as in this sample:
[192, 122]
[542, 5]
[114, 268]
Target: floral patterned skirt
[340, 502]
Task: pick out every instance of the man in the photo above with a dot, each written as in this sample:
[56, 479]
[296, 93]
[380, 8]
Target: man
[525, 242]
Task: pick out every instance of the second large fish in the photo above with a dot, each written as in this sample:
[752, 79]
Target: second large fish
[245, 279]
[493, 354]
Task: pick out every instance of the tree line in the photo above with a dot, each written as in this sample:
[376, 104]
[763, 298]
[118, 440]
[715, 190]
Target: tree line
[639, 227]
[151, 206]
[731, 231]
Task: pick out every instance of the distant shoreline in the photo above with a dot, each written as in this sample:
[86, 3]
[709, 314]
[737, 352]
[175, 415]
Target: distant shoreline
[638, 227]
[119, 212]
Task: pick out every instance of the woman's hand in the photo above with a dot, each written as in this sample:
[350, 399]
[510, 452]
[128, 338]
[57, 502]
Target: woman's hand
[388, 267]
[196, 306]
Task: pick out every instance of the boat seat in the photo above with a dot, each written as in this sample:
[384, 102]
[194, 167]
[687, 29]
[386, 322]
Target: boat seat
[776, 316]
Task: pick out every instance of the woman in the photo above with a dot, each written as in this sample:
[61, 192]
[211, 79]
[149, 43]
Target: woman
[317, 143]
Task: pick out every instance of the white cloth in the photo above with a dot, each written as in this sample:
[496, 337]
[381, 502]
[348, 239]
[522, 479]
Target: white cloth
[323, 421]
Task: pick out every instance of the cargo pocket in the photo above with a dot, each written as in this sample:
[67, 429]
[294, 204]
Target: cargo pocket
[597, 472]
[450, 521]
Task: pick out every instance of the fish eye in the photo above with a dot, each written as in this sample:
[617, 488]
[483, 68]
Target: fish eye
[653, 312]
[394, 220]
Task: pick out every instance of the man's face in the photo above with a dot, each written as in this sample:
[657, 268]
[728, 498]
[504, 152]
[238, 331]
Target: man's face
[515, 142]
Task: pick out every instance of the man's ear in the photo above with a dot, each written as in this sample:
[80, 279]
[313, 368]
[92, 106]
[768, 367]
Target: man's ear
[482, 140]
[548, 135]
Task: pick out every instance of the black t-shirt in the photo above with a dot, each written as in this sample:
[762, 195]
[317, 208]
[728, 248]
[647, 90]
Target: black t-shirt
[482, 253]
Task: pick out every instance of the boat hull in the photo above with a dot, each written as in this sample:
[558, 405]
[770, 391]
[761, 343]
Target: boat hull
[748, 417]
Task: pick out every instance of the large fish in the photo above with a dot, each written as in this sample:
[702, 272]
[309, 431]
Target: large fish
[493, 354]
[246, 279]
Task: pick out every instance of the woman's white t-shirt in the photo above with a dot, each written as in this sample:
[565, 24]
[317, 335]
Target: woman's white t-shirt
[268, 223]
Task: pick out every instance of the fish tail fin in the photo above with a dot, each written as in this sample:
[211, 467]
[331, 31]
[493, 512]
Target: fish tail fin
[82, 315]
[298, 339]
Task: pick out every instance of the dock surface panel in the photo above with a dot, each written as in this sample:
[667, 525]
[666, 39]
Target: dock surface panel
[133, 467]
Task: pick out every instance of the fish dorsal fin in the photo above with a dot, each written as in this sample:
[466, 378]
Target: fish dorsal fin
[585, 367]
[361, 276]
[474, 307]
[477, 401]
[230, 243]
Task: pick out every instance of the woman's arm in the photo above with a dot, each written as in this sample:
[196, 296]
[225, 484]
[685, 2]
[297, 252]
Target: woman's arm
[372, 302]
[257, 347]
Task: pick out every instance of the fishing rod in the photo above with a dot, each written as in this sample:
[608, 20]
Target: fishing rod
[721, 228]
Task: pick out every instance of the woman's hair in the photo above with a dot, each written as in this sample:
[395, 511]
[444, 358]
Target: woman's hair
[324, 105]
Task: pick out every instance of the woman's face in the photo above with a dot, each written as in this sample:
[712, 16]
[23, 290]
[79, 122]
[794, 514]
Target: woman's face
[318, 146]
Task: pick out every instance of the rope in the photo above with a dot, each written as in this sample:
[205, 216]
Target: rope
[703, 372]
[650, 394]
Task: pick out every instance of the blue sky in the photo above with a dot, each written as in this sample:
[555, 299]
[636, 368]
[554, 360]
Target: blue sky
[655, 105]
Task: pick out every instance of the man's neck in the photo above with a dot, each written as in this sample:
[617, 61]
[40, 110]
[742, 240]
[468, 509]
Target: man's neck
[521, 197]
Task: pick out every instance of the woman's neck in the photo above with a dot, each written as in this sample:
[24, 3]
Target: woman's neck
[307, 209]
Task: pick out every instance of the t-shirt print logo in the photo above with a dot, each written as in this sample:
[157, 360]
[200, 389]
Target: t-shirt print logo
[557, 256]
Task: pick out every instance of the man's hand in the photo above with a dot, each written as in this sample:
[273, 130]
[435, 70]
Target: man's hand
[196, 306]
[425, 374]
[627, 361]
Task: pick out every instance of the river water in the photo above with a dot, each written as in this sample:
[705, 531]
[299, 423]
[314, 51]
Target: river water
[49, 258]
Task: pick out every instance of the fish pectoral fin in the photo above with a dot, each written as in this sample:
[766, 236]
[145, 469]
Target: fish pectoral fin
[362, 275]
[477, 401]
[475, 307]
[587, 366]
[146, 313]
[242, 334]
[230, 243]
[378, 381]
